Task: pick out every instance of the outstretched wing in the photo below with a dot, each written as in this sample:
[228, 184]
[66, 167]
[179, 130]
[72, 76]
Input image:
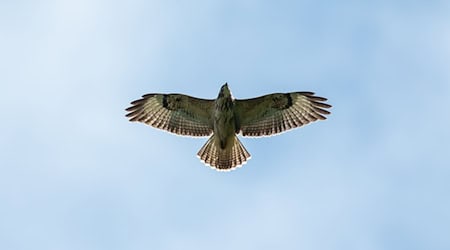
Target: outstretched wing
[275, 113]
[176, 113]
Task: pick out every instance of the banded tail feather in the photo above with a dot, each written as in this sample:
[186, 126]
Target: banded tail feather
[223, 159]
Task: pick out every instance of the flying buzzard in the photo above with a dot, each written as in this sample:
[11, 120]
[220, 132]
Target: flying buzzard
[225, 117]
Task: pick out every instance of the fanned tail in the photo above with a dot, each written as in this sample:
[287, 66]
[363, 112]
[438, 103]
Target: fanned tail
[233, 156]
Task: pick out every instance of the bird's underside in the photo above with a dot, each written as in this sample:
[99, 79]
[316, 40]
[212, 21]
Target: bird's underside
[225, 117]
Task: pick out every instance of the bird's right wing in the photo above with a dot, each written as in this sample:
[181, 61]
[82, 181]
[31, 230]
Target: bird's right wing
[176, 113]
[272, 114]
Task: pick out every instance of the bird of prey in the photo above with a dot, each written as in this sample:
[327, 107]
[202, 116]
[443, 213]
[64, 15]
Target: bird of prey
[225, 117]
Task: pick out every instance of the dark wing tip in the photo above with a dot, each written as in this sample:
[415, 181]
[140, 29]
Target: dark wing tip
[143, 99]
[321, 117]
[136, 105]
[321, 104]
[317, 101]
[134, 112]
[131, 108]
[147, 96]
[312, 96]
[136, 102]
[134, 119]
[318, 98]
[306, 93]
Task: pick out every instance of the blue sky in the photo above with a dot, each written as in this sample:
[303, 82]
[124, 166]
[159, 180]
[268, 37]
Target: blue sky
[75, 174]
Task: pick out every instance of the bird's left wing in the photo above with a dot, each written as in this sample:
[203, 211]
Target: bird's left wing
[176, 113]
[272, 114]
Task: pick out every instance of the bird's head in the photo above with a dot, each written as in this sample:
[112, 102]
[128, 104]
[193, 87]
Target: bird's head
[225, 91]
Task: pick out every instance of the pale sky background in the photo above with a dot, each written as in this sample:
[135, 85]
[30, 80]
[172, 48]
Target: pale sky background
[75, 174]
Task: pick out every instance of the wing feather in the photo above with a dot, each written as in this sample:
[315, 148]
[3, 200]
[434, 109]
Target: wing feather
[275, 113]
[176, 113]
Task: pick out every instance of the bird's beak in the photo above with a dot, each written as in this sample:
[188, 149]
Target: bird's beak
[224, 87]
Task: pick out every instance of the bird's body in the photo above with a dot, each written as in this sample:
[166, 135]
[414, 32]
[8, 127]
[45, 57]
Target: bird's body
[225, 117]
[224, 150]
